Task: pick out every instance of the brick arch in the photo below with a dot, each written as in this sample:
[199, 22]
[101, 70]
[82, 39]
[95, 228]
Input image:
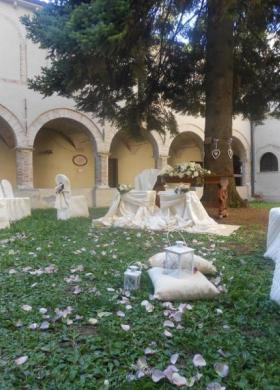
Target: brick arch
[192, 134]
[14, 124]
[66, 113]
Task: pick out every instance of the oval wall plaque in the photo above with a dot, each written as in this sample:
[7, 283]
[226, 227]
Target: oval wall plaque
[80, 160]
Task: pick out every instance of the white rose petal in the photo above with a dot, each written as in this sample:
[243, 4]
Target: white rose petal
[93, 321]
[168, 324]
[43, 310]
[21, 360]
[33, 326]
[221, 369]
[125, 327]
[157, 375]
[198, 361]
[26, 307]
[167, 334]
[44, 325]
[178, 380]
[174, 358]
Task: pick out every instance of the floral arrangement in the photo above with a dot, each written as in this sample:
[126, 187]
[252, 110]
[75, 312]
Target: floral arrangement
[190, 169]
[182, 189]
[124, 188]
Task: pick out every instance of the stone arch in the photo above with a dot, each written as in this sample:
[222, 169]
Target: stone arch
[186, 146]
[273, 149]
[129, 156]
[240, 161]
[59, 113]
[14, 124]
[64, 141]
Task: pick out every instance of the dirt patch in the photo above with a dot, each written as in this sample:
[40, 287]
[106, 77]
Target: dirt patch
[243, 216]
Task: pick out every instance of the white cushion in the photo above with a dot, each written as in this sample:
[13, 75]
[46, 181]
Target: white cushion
[186, 288]
[204, 266]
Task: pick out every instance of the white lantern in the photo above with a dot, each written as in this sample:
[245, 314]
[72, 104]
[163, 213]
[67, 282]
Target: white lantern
[178, 258]
[132, 278]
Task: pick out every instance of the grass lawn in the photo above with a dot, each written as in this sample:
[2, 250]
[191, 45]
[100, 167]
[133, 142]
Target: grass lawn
[240, 327]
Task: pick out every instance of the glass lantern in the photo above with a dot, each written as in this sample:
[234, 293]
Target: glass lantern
[178, 258]
[132, 278]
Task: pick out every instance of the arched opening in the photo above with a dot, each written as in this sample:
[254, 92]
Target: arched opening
[7, 152]
[64, 146]
[128, 157]
[269, 163]
[186, 146]
[239, 158]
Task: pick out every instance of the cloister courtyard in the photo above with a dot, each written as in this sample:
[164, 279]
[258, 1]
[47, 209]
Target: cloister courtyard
[66, 322]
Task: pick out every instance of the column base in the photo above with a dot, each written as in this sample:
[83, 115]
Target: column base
[102, 196]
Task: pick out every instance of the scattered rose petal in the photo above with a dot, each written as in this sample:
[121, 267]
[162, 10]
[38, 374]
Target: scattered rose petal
[125, 327]
[142, 363]
[33, 326]
[190, 381]
[178, 380]
[69, 322]
[43, 310]
[198, 361]
[168, 324]
[174, 358]
[93, 321]
[221, 369]
[157, 375]
[120, 313]
[19, 324]
[26, 307]
[149, 351]
[169, 371]
[77, 290]
[44, 325]
[21, 360]
[167, 334]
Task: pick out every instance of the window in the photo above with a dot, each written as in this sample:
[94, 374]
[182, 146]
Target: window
[269, 163]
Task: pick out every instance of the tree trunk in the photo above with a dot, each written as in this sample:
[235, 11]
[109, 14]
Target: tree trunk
[219, 94]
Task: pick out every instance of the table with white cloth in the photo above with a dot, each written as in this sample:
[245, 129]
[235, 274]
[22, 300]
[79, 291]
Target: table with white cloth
[273, 251]
[138, 209]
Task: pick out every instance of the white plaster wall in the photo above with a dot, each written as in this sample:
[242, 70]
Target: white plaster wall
[27, 111]
[267, 139]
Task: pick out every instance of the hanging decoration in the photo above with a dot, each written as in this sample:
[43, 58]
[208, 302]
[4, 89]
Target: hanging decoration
[230, 151]
[216, 152]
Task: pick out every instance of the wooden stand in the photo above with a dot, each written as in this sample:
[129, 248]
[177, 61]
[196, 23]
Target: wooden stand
[221, 181]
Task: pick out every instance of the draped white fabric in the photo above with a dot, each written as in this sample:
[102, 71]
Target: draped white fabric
[68, 206]
[4, 216]
[273, 251]
[17, 208]
[146, 180]
[177, 212]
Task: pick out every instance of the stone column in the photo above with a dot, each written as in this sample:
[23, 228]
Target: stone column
[162, 161]
[102, 170]
[24, 166]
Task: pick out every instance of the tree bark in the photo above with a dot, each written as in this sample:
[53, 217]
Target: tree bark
[219, 95]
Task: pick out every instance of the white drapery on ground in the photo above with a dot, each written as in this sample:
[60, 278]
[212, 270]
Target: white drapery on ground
[17, 208]
[137, 209]
[273, 251]
[68, 206]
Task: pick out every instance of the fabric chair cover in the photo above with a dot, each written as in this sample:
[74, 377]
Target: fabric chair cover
[146, 180]
[17, 208]
[273, 251]
[68, 206]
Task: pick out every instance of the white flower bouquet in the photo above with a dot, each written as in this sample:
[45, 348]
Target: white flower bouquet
[191, 170]
[124, 188]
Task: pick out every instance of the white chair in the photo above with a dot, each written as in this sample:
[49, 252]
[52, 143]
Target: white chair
[68, 206]
[4, 216]
[17, 208]
[273, 251]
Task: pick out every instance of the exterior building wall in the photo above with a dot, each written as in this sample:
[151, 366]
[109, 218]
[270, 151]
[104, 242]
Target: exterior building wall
[267, 140]
[26, 112]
